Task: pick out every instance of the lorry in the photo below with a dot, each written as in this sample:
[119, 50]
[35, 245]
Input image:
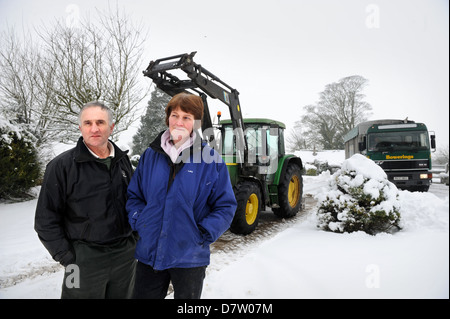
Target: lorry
[402, 148]
[261, 172]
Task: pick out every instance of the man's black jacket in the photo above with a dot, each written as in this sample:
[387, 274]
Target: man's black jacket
[81, 199]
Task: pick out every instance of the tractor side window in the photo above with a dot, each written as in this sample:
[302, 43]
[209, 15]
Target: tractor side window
[257, 142]
[272, 137]
[253, 142]
[229, 147]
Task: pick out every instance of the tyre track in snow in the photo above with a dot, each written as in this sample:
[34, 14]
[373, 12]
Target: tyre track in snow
[32, 272]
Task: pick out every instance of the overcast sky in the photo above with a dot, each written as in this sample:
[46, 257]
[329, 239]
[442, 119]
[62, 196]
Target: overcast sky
[281, 54]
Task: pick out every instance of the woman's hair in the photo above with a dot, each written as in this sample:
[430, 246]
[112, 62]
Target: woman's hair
[188, 103]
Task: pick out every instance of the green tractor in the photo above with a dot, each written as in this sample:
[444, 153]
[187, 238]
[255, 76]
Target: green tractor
[261, 173]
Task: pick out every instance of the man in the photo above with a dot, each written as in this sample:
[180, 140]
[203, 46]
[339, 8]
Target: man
[80, 215]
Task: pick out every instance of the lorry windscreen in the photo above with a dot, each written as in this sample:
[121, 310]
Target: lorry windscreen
[400, 140]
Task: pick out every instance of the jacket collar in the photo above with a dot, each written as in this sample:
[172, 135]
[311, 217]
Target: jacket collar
[82, 153]
[195, 147]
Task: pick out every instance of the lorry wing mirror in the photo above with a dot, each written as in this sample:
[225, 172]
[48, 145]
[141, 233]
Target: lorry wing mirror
[433, 141]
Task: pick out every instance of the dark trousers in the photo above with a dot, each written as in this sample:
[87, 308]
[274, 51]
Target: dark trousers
[101, 271]
[153, 284]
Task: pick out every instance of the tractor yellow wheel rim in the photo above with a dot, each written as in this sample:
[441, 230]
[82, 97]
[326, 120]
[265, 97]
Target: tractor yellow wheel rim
[294, 191]
[251, 210]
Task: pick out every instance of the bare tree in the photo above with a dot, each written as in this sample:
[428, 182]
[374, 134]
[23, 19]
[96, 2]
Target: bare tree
[442, 155]
[339, 109]
[100, 60]
[25, 85]
[296, 139]
[344, 101]
[45, 83]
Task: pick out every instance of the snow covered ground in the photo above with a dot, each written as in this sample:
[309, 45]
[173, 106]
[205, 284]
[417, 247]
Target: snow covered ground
[298, 261]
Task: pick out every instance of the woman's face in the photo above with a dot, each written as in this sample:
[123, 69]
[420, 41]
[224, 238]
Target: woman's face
[181, 125]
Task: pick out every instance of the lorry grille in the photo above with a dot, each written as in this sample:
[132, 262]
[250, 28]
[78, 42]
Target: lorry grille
[403, 165]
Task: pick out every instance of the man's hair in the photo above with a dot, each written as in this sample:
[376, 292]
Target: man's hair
[100, 105]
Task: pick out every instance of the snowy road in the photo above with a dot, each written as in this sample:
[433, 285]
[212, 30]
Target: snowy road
[440, 190]
[231, 246]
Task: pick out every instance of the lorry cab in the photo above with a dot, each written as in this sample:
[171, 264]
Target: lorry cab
[401, 148]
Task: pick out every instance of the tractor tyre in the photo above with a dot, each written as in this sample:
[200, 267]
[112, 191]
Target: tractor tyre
[290, 192]
[248, 197]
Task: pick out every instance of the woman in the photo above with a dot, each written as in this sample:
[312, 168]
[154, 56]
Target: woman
[180, 200]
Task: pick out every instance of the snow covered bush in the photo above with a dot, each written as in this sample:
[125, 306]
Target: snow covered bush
[19, 164]
[360, 198]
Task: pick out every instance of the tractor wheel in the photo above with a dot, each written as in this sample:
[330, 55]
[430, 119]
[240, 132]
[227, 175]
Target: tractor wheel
[248, 197]
[290, 192]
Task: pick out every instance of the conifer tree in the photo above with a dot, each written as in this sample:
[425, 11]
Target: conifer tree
[152, 123]
[19, 163]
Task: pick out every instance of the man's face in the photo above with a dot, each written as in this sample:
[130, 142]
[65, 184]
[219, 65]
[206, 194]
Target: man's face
[95, 127]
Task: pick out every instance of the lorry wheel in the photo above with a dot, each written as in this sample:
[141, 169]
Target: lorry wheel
[248, 197]
[290, 192]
